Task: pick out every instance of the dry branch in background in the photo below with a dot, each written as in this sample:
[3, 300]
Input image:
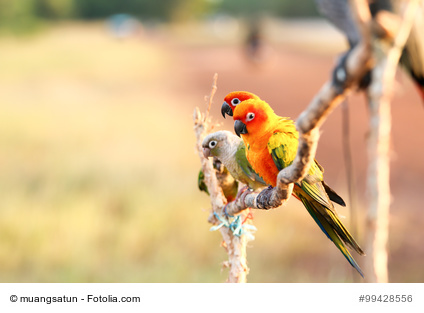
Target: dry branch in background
[387, 52]
[234, 244]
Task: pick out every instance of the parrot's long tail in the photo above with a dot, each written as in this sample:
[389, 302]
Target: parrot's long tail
[332, 227]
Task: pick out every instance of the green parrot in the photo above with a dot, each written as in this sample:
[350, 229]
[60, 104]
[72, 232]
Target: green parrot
[231, 151]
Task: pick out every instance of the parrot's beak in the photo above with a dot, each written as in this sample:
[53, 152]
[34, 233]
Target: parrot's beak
[206, 152]
[226, 109]
[240, 128]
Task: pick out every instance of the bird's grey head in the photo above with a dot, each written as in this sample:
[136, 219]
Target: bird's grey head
[219, 142]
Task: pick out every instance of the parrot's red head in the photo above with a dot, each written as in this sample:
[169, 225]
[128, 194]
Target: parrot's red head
[252, 117]
[233, 99]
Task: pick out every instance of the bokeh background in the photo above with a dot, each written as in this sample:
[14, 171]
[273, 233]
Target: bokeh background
[98, 170]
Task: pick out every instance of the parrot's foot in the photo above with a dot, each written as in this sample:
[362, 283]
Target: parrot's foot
[264, 199]
[241, 192]
[238, 204]
[245, 193]
[340, 76]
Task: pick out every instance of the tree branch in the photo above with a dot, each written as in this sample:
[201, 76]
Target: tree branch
[235, 244]
[387, 53]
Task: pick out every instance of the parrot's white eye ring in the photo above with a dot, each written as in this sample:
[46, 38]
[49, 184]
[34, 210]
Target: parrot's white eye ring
[212, 144]
[235, 101]
[250, 116]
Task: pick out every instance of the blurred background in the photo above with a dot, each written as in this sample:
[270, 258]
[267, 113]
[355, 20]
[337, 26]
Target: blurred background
[98, 170]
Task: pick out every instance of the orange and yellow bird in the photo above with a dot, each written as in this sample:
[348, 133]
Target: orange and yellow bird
[271, 145]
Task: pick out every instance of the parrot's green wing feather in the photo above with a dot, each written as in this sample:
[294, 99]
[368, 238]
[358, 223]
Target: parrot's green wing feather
[312, 185]
[282, 149]
[247, 169]
[283, 153]
[201, 182]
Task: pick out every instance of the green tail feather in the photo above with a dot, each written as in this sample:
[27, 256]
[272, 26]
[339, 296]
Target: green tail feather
[201, 182]
[333, 228]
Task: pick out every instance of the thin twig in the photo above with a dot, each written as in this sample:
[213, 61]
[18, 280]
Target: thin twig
[235, 245]
[212, 94]
[347, 152]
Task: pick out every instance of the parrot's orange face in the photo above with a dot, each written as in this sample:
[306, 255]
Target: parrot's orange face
[233, 99]
[250, 116]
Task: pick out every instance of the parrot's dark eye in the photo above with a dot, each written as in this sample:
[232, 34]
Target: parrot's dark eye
[235, 101]
[250, 116]
[212, 144]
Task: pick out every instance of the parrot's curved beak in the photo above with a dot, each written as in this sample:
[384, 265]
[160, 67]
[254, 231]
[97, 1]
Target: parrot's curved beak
[206, 152]
[226, 109]
[240, 128]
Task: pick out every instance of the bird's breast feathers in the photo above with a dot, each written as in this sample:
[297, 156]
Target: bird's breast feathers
[269, 153]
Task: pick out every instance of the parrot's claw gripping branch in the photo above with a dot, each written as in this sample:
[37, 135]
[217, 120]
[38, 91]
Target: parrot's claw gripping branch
[269, 198]
[274, 197]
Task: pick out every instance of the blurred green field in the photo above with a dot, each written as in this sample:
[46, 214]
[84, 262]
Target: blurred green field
[98, 170]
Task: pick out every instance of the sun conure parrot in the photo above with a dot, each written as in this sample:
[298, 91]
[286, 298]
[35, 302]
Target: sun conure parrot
[271, 143]
[236, 97]
[226, 181]
[230, 150]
